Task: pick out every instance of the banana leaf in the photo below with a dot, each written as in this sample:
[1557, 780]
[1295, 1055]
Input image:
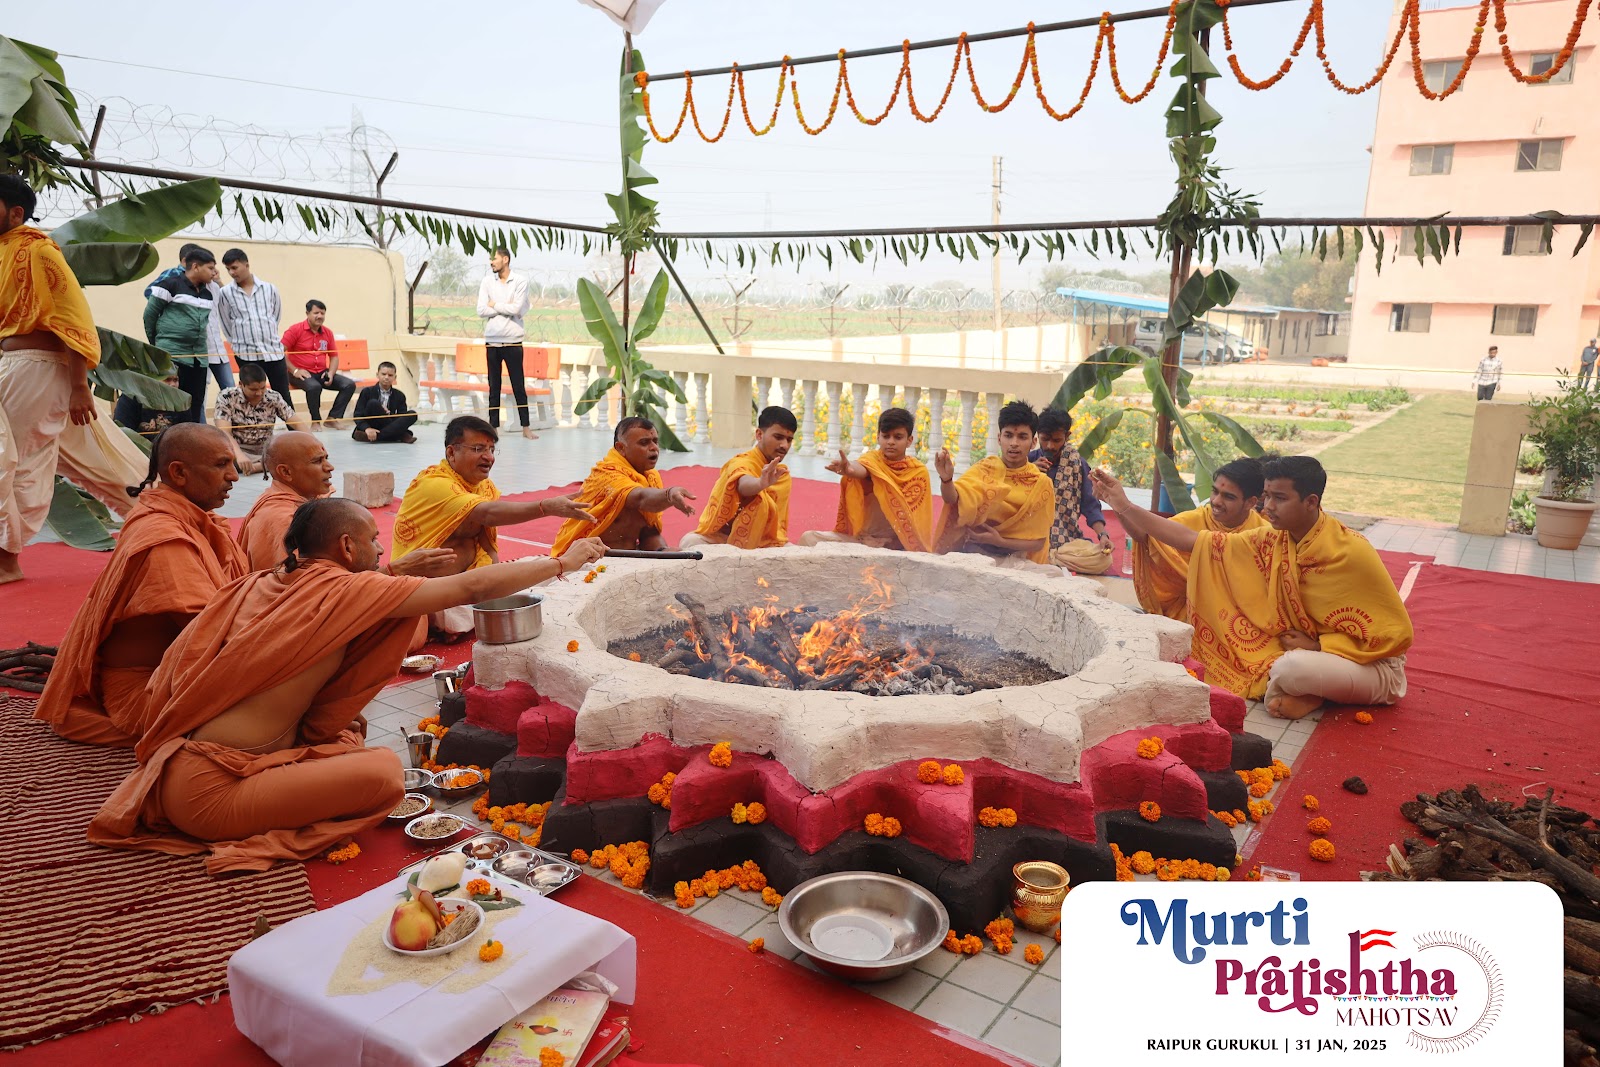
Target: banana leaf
[1241, 436]
[79, 520]
[651, 309]
[1177, 489]
[110, 262]
[1096, 437]
[138, 438]
[600, 319]
[591, 396]
[147, 216]
[153, 394]
[1096, 374]
[118, 351]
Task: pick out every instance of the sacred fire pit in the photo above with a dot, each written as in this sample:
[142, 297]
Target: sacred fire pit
[832, 672]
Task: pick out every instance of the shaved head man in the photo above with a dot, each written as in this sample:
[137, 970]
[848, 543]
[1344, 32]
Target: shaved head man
[254, 751]
[172, 556]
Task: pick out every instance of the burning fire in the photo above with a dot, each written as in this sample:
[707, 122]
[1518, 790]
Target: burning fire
[837, 648]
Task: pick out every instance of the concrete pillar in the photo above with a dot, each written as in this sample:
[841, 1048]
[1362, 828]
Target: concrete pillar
[831, 445]
[702, 417]
[991, 437]
[969, 408]
[680, 409]
[864, 434]
[1497, 431]
[808, 428]
[731, 395]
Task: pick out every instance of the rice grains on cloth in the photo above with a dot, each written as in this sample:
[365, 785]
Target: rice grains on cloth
[369, 965]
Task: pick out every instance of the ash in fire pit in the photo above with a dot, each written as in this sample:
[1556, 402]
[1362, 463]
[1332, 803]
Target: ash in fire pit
[799, 648]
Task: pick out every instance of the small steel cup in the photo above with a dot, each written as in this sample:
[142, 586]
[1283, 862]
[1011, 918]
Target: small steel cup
[420, 747]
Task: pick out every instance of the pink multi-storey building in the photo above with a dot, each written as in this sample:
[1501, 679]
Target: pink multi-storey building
[1495, 147]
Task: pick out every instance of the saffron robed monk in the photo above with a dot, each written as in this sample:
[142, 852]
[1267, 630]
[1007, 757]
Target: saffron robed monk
[625, 493]
[1301, 612]
[454, 505]
[1161, 572]
[1002, 506]
[884, 497]
[301, 471]
[172, 556]
[255, 747]
[749, 504]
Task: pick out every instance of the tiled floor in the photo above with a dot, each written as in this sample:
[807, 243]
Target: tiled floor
[998, 999]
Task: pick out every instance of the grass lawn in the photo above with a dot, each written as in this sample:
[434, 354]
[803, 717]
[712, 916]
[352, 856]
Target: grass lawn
[1411, 466]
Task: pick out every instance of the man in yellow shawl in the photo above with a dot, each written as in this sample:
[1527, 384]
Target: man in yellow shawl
[47, 345]
[749, 505]
[625, 493]
[1302, 612]
[1003, 505]
[454, 505]
[1161, 573]
[884, 497]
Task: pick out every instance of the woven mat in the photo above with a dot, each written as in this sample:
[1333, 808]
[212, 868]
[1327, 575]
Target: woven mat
[91, 934]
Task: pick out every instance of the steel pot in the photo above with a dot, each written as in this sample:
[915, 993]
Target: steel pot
[509, 619]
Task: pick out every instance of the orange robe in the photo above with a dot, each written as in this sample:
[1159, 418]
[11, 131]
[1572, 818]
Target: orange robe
[436, 503]
[605, 496]
[1246, 589]
[250, 810]
[902, 494]
[760, 522]
[38, 291]
[261, 535]
[171, 558]
[1018, 503]
[1161, 572]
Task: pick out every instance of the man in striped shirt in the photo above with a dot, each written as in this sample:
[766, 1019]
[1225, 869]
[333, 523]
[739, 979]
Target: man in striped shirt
[1487, 378]
[251, 311]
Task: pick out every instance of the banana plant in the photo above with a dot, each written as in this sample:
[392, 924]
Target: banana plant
[624, 367]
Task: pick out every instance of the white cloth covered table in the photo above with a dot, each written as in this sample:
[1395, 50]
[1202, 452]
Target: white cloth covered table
[278, 985]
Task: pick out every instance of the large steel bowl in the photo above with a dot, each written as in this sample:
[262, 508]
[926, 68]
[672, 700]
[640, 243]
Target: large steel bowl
[509, 619]
[861, 925]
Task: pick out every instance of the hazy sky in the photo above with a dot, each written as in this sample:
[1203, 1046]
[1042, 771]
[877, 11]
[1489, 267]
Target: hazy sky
[523, 115]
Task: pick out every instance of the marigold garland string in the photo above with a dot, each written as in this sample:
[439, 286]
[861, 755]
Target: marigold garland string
[1407, 32]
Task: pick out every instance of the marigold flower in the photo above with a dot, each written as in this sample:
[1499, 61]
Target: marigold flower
[1004, 945]
[1150, 748]
[635, 657]
[1001, 927]
[989, 817]
[1008, 817]
[1254, 875]
[601, 568]
[1260, 789]
[954, 775]
[952, 943]
[490, 951]
[551, 1057]
[1033, 955]
[721, 754]
[758, 945]
[1364, 718]
[572, 646]
[1310, 803]
[873, 824]
[971, 944]
[1322, 849]
[619, 866]
[1143, 863]
[771, 897]
[1319, 826]
[1226, 819]
[755, 813]
[891, 826]
[479, 887]
[343, 855]
[740, 813]
[1208, 872]
[928, 771]
[1224, 875]
[1167, 872]
[1149, 811]
[1058, 935]
[1238, 816]
[587, 578]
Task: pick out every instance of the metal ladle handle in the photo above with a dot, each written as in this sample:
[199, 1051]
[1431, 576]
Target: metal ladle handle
[637, 553]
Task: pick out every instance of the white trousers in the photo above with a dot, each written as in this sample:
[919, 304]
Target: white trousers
[1301, 672]
[35, 389]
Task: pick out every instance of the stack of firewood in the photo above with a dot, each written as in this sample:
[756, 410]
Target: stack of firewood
[1480, 840]
[26, 668]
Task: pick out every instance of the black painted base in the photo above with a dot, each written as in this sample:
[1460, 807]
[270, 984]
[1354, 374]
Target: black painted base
[474, 746]
[1225, 791]
[1208, 842]
[1251, 751]
[453, 708]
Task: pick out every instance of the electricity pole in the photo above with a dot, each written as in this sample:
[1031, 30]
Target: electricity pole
[995, 188]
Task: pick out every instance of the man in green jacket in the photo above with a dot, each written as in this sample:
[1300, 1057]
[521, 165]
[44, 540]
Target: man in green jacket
[175, 319]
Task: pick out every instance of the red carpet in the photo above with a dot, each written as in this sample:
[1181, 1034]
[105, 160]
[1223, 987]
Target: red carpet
[703, 997]
[1496, 695]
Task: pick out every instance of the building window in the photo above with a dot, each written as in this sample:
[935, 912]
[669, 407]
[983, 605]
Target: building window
[1519, 319]
[1410, 318]
[1432, 158]
[1543, 61]
[1539, 155]
[1525, 241]
[1439, 74]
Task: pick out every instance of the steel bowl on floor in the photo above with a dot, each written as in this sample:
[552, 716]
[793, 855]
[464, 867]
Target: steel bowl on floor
[442, 780]
[863, 926]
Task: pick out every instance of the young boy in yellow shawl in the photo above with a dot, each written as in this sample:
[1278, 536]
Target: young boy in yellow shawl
[884, 497]
[1075, 502]
[1002, 506]
[454, 505]
[625, 493]
[47, 345]
[749, 505]
[1161, 573]
[1300, 613]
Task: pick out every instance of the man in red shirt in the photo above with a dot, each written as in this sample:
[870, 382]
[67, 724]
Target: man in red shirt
[314, 363]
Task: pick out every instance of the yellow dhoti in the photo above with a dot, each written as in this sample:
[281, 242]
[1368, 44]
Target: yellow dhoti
[902, 495]
[605, 496]
[1161, 572]
[759, 522]
[1017, 503]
